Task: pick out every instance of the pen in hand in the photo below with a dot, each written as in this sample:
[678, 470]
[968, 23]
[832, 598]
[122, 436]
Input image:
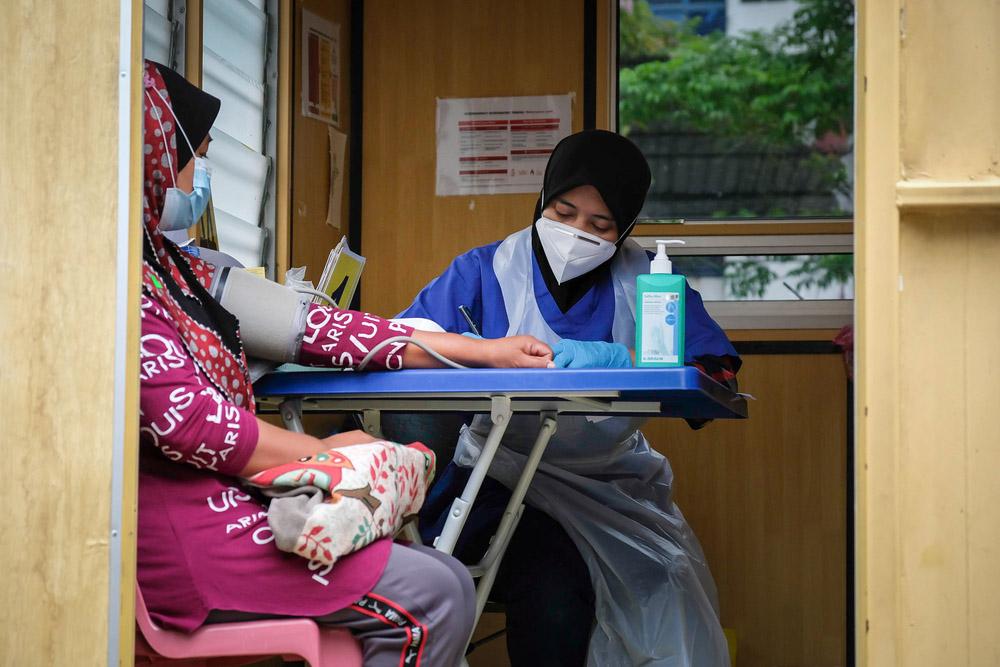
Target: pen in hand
[468, 318]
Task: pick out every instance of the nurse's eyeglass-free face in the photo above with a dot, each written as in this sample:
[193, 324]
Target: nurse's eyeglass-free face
[584, 209]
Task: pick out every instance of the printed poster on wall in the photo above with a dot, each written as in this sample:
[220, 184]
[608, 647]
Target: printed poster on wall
[338, 150]
[320, 68]
[498, 145]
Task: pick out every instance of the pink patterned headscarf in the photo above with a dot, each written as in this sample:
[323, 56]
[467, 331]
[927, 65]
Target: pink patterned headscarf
[171, 276]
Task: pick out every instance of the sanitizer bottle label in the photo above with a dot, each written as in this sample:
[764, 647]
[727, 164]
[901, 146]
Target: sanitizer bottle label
[659, 327]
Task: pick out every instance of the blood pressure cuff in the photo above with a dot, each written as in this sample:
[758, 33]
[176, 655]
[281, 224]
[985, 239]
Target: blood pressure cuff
[272, 317]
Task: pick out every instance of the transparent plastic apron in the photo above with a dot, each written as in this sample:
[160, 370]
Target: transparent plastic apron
[656, 601]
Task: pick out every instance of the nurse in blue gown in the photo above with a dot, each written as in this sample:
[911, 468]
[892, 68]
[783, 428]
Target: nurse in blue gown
[603, 569]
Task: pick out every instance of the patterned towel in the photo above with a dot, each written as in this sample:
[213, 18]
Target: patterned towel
[328, 505]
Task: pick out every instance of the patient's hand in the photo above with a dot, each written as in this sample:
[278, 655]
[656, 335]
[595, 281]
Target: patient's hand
[518, 352]
[347, 438]
[513, 352]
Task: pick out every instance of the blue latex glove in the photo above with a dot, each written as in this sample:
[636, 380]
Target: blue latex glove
[590, 354]
[469, 334]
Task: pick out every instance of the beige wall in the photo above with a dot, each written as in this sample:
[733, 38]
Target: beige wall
[928, 245]
[59, 143]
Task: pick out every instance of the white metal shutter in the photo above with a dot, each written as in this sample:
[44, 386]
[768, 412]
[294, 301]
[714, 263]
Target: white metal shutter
[157, 31]
[234, 60]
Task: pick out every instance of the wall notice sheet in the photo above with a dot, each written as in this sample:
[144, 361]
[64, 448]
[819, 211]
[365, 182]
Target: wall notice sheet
[498, 145]
[338, 146]
[320, 68]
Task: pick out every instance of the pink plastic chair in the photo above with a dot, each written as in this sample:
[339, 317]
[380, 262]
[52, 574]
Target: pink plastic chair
[254, 640]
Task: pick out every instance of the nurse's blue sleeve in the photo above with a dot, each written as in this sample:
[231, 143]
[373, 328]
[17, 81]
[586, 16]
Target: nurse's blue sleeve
[707, 347]
[459, 285]
[703, 335]
[705, 343]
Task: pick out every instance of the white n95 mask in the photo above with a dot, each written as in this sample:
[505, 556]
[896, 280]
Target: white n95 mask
[571, 252]
[180, 209]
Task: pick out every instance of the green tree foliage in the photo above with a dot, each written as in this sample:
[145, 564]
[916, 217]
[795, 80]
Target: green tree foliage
[749, 277]
[791, 84]
[823, 271]
[788, 86]
[643, 37]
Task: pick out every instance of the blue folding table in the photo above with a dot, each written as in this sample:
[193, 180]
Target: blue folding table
[668, 392]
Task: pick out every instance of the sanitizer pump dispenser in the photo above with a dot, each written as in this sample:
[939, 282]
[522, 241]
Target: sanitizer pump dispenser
[659, 326]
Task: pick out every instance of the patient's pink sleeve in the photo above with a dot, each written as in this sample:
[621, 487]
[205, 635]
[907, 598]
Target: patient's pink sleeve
[181, 413]
[342, 338]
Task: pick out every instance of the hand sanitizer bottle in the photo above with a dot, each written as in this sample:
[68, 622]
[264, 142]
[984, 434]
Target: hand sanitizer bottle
[659, 326]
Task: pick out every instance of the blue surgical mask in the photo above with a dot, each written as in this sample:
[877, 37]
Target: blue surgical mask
[181, 210]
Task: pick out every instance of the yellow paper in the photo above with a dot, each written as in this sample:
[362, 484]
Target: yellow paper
[257, 271]
[341, 274]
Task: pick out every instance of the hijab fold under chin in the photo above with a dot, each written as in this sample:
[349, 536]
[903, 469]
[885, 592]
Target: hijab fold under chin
[617, 170]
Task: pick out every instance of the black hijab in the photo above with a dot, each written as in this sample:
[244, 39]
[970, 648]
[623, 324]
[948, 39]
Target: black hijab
[196, 111]
[617, 169]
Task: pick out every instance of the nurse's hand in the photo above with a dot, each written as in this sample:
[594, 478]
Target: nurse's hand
[517, 352]
[590, 354]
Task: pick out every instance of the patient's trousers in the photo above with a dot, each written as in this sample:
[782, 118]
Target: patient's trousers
[420, 612]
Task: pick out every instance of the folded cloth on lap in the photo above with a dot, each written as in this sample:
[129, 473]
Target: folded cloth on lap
[328, 505]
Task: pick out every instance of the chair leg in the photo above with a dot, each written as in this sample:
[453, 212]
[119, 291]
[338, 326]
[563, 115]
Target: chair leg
[337, 650]
[473, 645]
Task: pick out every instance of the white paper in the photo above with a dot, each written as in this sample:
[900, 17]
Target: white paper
[338, 144]
[320, 68]
[498, 145]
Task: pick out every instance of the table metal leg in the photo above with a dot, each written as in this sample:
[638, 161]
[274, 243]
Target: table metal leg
[490, 564]
[371, 421]
[459, 512]
[291, 414]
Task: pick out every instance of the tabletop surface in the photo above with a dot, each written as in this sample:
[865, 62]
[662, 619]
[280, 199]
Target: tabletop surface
[684, 391]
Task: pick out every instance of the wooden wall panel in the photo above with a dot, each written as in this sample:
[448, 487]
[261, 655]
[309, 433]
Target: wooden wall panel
[965, 85]
[414, 53]
[929, 252]
[767, 498]
[929, 249]
[311, 238]
[286, 111]
[950, 450]
[59, 143]
[877, 336]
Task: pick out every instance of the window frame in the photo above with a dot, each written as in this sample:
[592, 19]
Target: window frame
[760, 314]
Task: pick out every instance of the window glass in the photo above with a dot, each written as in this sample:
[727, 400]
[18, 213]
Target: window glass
[744, 109]
[769, 277]
[158, 30]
